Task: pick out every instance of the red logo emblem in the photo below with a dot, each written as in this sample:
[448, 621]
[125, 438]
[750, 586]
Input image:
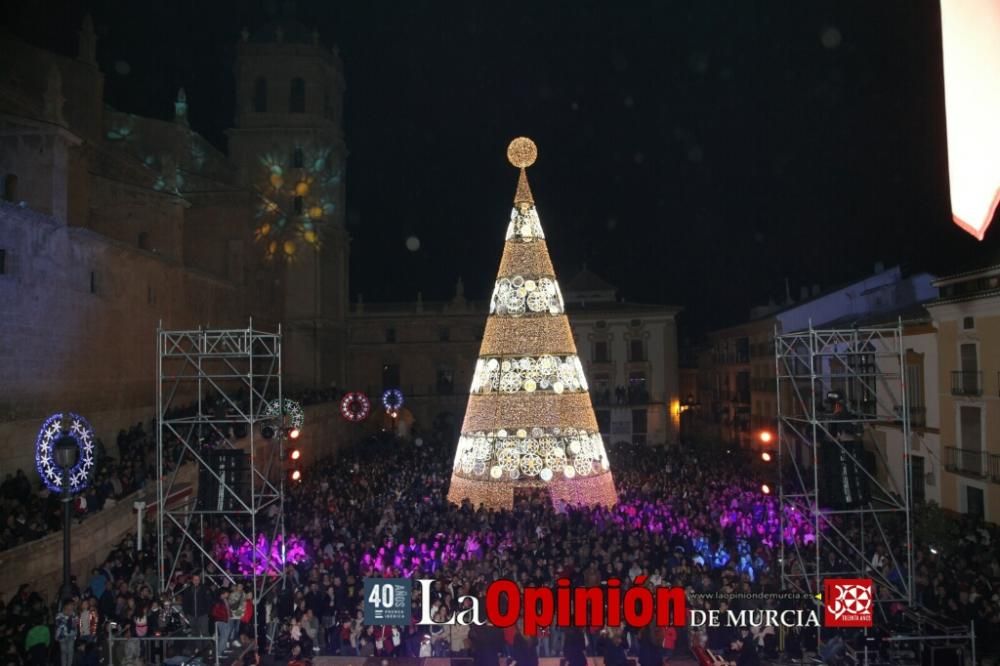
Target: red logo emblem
[847, 602]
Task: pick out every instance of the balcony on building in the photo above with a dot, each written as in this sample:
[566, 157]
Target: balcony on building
[965, 382]
[975, 463]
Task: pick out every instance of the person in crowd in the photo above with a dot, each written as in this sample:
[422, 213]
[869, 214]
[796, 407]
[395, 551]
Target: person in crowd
[67, 627]
[310, 627]
[220, 615]
[37, 642]
[574, 648]
[196, 601]
[746, 649]
[669, 642]
[524, 650]
[237, 607]
[251, 655]
[90, 620]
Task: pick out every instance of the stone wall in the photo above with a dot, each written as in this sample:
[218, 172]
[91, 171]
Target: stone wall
[80, 331]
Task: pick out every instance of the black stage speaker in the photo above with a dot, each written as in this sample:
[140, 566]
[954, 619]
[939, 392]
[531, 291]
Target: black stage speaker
[841, 484]
[233, 469]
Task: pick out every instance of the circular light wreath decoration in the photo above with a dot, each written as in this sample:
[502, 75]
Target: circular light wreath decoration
[293, 412]
[355, 407]
[392, 399]
[79, 431]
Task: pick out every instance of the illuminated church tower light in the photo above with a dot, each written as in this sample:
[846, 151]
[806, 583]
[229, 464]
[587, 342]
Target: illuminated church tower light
[529, 421]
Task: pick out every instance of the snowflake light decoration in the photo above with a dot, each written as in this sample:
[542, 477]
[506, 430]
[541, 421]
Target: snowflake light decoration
[293, 412]
[392, 400]
[355, 407]
[517, 295]
[78, 429]
[296, 197]
[548, 373]
[545, 453]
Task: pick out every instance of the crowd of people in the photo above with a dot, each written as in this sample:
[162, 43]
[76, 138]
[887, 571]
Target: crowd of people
[28, 514]
[380, 509]
[698, 522]
[678, 522]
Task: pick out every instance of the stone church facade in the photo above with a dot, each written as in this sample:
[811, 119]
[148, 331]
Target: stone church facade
[112, 224]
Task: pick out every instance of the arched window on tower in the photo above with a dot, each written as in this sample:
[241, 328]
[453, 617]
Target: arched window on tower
[297, 96]
[260, 95]
[10, 188]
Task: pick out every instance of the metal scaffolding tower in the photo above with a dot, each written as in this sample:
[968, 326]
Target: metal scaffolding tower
[214, 388]
[823, 445]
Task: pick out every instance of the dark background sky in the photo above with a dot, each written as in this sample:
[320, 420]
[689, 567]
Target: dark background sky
[694, 153]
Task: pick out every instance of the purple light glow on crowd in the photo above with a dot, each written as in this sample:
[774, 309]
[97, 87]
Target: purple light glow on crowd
[749, 515]
[270, 557]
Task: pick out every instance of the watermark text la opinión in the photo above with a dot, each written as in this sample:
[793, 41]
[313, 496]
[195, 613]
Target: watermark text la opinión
[566, 606]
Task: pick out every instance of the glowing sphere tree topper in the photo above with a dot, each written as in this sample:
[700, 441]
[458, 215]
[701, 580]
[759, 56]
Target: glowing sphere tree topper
[522, 152]
[53, 429]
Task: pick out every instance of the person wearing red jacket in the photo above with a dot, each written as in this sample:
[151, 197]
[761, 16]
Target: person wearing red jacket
[246, 622]
[220, 614]
[669, 642]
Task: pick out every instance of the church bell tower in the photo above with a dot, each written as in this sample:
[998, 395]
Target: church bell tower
[288, 147]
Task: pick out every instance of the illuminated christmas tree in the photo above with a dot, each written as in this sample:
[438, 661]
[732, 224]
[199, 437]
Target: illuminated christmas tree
[529, 421]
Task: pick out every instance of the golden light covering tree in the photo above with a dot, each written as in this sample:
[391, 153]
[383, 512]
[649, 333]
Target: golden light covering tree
[529, 421]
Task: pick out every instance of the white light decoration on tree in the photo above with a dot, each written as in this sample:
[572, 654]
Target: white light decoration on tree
[529, 421]
[524, 225]
[519, 295]
[546, 373]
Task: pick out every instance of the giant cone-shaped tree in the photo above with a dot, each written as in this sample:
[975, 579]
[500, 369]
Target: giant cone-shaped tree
[529, 422]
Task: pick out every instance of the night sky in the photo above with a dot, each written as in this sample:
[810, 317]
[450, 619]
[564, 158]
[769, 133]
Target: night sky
[693, 153]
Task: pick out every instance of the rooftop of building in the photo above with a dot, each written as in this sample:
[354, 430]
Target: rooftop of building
[588, 281]
[908, 315]
[584, 293]
[975, 284]
[880, 274]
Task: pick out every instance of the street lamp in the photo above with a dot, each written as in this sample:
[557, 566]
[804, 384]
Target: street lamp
[66, 453]
[64, 458]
